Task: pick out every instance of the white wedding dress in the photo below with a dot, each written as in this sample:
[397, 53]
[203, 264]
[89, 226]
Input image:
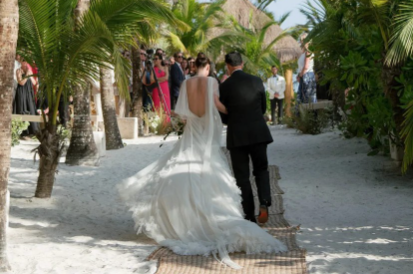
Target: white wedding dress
[188, 200]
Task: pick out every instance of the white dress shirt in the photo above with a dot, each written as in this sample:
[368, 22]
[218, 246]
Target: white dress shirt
[276, 86]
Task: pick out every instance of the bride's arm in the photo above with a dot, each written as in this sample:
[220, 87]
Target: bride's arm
[219, 105]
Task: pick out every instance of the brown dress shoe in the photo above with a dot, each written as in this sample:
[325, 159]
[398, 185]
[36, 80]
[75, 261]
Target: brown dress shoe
[263, 217]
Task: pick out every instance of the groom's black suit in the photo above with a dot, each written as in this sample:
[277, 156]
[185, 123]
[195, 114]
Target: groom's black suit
[248, 135]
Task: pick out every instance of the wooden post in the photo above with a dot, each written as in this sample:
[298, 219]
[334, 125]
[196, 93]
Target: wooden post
[289, 92]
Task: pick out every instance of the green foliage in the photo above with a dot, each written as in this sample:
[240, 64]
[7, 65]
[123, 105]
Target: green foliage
[354, 42]
[199, 19]
[258, 56]
[65, 132]
[310, 121]
[70, 52]
[17, 128]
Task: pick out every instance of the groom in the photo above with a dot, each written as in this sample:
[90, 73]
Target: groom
[248, 134]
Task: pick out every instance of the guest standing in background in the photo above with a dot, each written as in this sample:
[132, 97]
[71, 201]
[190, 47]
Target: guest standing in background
[306, 78]
[276, 89]
[161, 97]
[147, 81]
[177, 77]
[24, 102]
[213, 72]
[184, 66]
[191, 67]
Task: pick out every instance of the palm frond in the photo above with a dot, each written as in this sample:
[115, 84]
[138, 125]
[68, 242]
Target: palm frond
[402, 39]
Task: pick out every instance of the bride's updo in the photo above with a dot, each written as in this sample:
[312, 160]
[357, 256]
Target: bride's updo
[201, 60]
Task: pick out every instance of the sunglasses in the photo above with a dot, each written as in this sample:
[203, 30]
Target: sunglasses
[155, 59]
[143, 54]
[179, 56]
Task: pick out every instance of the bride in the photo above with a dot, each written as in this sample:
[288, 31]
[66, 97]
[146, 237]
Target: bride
[188, 200]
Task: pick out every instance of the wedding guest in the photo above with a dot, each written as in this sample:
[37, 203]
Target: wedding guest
[161, 97]
[177, 77]
[185, 67]
[24, 102]
[147, 81]
[213, 72]
[306, 78]
[191, 67]
[171, 60]
[276, 89]
[160, 51]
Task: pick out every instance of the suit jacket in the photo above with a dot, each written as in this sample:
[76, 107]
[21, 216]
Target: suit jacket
[276, 85]
[177, 77]
[244, 97]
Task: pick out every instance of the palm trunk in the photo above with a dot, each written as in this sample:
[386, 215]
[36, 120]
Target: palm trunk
[49, 150]
[289, 92]
[112, 134]
[9, 28]
[82, 149]
[137, 106]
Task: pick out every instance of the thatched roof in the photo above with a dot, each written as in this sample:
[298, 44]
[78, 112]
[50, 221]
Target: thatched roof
[287, 48]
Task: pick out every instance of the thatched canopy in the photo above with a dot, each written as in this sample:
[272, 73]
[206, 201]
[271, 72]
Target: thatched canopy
[287, 48]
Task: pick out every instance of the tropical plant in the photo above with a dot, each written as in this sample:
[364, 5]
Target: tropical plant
[9, 14]
[69, 53]
[309, 121]
[401, 51]
[356, 44]
[258, 55]
[201, 35]
[17, 128]
[263, 4]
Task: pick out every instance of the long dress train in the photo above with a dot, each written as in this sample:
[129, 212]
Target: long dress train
[188, 200]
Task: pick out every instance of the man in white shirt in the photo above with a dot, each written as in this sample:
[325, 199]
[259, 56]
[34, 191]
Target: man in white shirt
[276, 89]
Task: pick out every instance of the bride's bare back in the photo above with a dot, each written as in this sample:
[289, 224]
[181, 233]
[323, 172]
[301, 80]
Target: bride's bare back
[197, 90]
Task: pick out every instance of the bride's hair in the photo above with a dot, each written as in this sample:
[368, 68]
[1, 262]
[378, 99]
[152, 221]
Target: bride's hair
[201, 60]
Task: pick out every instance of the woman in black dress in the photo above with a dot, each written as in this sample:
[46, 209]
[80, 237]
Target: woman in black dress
[24, 102]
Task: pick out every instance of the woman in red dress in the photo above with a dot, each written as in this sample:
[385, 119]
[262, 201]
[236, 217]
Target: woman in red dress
[162, 74]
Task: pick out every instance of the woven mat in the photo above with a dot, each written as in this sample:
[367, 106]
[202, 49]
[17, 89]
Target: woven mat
[291, 262]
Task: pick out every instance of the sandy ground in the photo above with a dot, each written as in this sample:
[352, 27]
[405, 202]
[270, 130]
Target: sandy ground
[355, 211]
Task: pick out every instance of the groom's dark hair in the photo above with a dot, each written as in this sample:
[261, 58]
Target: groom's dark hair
[233, 59]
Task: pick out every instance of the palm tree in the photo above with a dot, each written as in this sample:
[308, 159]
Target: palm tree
[112, 133]
[82, 149]
[137, 88]
[203, 20]
[258, 54]
[69, 54]
[263, 4]
[401, 49]
[9, 14]
[331, 25]
[146, 35]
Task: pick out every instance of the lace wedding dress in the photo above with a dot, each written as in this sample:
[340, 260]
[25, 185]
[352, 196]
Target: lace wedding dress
[188, 200]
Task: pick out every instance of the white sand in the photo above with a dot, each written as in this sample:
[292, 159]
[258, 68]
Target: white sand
[355, 212]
